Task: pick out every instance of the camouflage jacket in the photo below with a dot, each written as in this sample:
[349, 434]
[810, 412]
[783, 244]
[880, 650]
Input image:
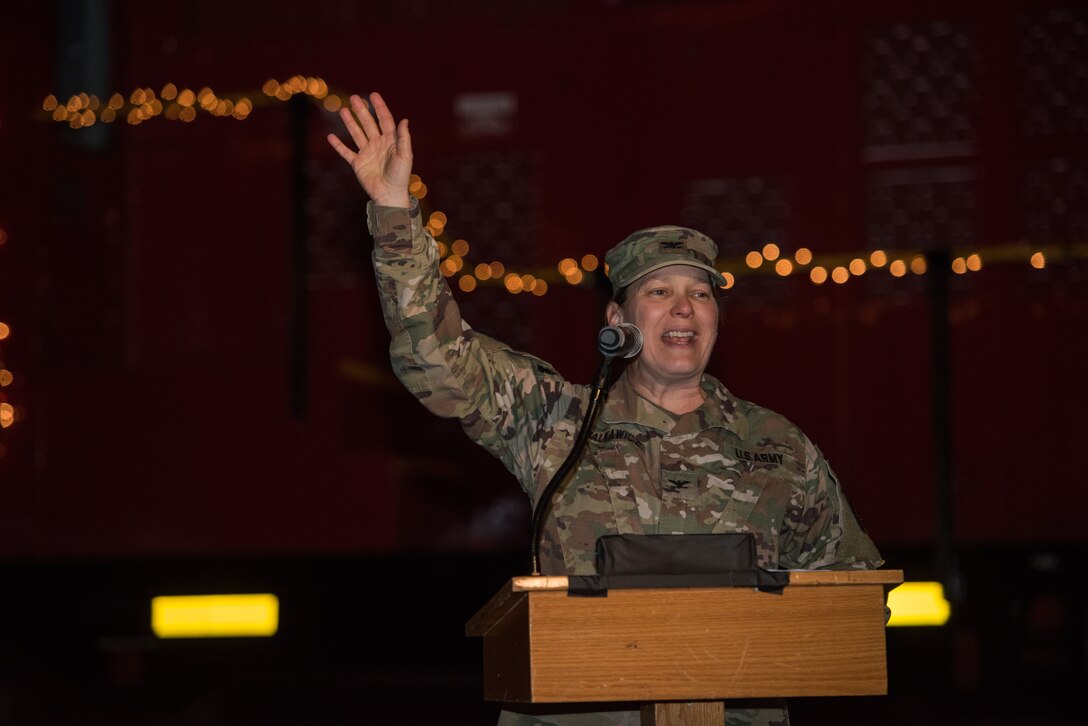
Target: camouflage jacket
[728, 466]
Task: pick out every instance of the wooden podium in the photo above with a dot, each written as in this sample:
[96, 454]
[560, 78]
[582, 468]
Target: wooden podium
[684, 652]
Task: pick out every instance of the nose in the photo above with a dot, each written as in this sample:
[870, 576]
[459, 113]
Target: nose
[682, 307]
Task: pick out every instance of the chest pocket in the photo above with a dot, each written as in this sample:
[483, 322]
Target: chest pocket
[759, 503]
[600, 498]
[742, 501]
[624, 468]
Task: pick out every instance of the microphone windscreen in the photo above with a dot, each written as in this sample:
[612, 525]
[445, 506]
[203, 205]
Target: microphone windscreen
[636, 339]
[623, 340]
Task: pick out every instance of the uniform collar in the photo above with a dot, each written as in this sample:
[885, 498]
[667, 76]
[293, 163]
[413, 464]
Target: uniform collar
[721, 409]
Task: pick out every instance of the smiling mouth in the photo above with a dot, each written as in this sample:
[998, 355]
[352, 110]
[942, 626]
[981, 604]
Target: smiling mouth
[679, 337]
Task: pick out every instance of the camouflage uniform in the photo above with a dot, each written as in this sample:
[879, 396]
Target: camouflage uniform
[728, 466]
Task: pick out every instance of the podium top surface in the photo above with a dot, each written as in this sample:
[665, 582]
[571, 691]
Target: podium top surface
[544, 583]
[522, 586]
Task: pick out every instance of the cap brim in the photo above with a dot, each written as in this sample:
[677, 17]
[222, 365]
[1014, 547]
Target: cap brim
[714, 273]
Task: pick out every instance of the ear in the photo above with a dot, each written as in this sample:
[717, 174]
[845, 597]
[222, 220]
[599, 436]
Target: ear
[614, 313]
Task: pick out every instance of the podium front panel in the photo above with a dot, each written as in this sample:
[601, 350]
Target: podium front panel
[689, 644]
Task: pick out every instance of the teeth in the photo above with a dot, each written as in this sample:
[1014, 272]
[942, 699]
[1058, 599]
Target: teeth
[679, 334]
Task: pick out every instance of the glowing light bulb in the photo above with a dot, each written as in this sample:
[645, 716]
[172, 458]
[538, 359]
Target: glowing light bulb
[513, 283]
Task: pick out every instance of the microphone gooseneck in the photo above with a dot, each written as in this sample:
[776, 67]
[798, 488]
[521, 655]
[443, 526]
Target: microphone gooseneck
[544, 502]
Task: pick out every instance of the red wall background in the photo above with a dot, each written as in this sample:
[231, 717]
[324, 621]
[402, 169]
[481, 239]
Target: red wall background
[147, 284]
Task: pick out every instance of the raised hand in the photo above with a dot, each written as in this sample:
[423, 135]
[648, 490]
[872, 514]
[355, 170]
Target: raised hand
[383, 162]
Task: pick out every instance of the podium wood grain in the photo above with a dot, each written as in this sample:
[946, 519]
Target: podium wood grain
[824, 636]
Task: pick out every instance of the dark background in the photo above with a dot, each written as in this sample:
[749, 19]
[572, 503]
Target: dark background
[203, 401]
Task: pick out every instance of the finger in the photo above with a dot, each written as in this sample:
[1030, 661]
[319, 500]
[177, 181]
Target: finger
[381, 110]
[345, 153]
[404, 140]
[365, 118]
[351, 124]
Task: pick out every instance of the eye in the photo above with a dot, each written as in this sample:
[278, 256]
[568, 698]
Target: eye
[702, 294]
[657, 292]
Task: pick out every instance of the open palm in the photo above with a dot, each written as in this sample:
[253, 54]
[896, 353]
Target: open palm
[383, 161]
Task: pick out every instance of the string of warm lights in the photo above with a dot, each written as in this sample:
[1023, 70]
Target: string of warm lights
[83, 110]
[770, 260]
[837, 269]
[7, 411]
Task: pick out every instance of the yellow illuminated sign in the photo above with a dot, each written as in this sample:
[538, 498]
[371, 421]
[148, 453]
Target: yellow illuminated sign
[918, 603]
[215, 616]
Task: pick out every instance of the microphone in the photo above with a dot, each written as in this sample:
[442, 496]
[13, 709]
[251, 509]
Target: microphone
[619, 341]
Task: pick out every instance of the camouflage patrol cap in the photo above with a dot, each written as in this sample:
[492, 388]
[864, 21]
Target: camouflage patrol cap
[655, 247]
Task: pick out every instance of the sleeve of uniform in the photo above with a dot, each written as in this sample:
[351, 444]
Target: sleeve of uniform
[501, 396]
[825, 533]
